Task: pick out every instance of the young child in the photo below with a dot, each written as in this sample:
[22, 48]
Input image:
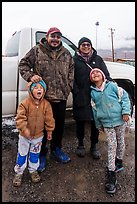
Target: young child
[33, 115]
[111, 109]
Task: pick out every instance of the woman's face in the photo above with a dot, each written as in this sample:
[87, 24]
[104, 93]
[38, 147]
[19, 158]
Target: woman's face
[85, 47]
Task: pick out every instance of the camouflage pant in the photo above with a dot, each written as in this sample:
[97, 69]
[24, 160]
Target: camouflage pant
[116, 144]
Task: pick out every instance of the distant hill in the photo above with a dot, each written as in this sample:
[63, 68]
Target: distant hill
[128, 53]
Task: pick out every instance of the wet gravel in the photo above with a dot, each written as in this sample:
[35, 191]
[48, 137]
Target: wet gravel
[81, 180]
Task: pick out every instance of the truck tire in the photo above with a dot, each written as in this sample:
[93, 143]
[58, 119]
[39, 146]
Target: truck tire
[132, 106]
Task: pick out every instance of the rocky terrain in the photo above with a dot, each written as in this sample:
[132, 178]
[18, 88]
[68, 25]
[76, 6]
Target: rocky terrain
[81, 180]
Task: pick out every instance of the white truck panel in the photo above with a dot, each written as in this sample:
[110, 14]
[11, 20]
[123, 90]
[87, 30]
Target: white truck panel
[9, 73]
[121, 71]
[25, 43]
[8, 103]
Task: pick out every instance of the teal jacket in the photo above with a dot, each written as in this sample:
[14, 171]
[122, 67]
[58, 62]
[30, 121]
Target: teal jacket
[109, 105]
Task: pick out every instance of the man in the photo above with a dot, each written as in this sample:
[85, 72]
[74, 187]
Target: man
[53, 63]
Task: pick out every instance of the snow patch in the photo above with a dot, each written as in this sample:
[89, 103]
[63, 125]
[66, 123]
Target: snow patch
[8, 121]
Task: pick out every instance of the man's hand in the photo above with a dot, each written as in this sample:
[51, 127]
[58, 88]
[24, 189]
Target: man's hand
[36, 78]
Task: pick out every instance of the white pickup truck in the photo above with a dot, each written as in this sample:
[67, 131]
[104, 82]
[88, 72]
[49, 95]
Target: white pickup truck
[14, 87]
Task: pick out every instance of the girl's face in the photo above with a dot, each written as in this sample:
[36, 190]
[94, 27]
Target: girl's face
[97, 76]
[85, 47]
[38, 91]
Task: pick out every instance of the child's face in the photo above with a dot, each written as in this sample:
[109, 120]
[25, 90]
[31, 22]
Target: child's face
[97, 76]
[38, 91]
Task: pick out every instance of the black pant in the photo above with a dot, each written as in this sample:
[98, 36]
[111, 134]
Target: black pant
[80, 132]
[59, 110]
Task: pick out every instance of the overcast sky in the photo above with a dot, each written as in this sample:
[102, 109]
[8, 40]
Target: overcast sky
[74, 19]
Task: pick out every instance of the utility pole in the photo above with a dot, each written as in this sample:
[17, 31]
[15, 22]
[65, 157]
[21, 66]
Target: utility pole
[112, 32]
[97, 24]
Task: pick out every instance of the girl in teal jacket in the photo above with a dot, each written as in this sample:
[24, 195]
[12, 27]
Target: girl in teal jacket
[111, 109]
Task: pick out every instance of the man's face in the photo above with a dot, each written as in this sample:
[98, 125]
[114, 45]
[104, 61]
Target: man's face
[54, 39]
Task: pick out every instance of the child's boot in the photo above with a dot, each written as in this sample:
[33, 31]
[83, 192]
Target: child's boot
[111, 182]
[35, 177]
[119, 165]
[17, 180]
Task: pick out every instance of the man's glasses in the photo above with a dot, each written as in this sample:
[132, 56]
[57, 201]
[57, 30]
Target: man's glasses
[86, 44]
[55, 36]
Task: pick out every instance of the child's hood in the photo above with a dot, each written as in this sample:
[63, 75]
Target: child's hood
[33, 84]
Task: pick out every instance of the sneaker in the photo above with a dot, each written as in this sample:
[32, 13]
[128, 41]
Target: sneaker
[119, 165]
[42, 165]
[43, 161]
[94, 152]
[111, 182]
[17, 180]
[59, 155]
[80, 151]
[35, 177]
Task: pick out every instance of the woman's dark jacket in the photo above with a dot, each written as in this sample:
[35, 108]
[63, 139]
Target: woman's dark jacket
[81, 89]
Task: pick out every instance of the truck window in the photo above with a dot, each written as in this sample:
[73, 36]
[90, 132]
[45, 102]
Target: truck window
[127, 61]
[69, 45]
[13, 45]
[66, 42]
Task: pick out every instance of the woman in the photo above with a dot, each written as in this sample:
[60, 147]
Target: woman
[85, 58]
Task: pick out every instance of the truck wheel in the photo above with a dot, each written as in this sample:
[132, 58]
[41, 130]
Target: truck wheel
[132, 107]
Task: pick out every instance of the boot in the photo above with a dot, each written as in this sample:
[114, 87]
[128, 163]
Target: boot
[111, 182]
[94, 152]
[119, 165]
[80, 151]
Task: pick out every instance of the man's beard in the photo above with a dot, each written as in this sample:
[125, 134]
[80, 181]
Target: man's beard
[56, 48]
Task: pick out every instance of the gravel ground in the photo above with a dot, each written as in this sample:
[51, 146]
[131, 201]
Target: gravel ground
[81, 180]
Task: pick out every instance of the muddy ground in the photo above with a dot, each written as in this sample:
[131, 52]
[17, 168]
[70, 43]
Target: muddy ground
[81, 180]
